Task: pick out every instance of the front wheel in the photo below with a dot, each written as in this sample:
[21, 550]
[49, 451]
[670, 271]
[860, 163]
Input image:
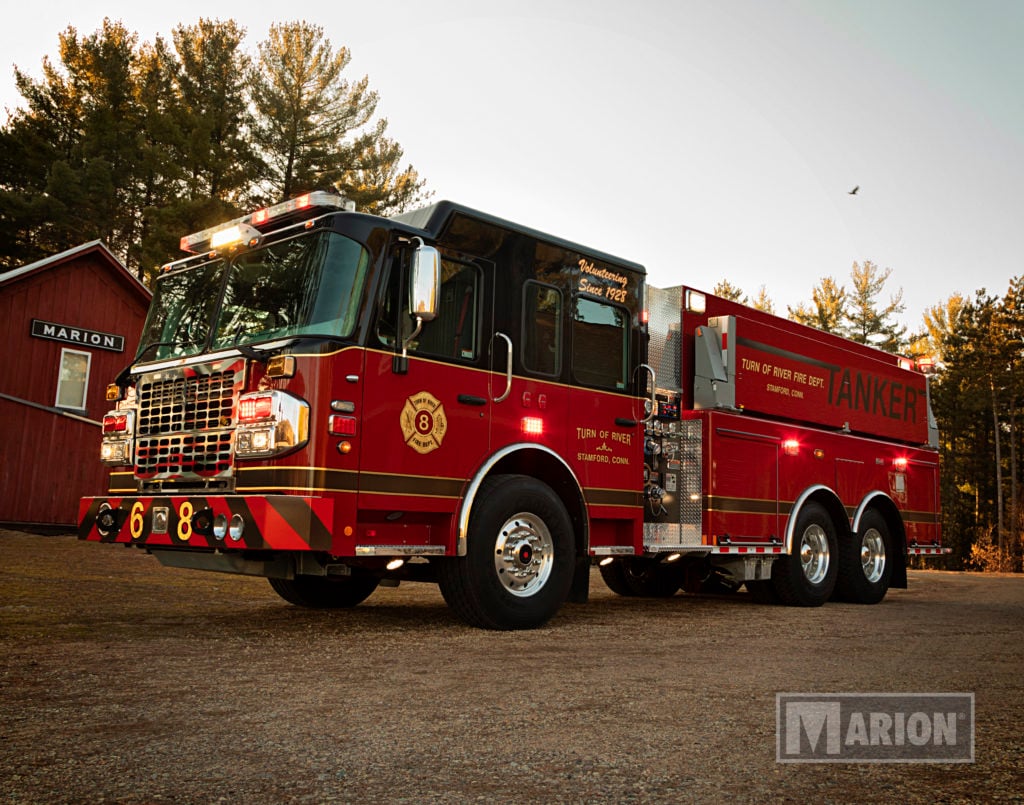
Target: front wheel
[518, 566]
[806, 576]
[865, 562]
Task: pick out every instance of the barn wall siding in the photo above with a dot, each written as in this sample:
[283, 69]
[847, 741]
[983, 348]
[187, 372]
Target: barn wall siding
[47, 462]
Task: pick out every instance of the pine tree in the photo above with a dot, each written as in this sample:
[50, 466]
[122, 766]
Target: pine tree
[762, 301]
[214, 114]
[305, 108]
[864, 321]
[727, 290]
[940, 322]
[829, 304]
[375, 181]
[75, 147]
[160, 171]
[138, 145]
[315, 128]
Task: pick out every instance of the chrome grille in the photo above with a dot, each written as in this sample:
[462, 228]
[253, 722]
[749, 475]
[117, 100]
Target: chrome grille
[185, 423]
[183, 454]
[203, 402]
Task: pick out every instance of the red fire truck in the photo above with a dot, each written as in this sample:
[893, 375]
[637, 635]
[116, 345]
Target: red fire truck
[337, 401]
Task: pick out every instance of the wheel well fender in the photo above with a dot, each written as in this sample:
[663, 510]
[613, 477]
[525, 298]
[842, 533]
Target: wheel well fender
[535, 461]
[826, 498]
[886, 508]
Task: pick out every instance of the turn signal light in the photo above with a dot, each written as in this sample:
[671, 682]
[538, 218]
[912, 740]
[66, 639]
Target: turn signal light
[115, 423]
[253, 409]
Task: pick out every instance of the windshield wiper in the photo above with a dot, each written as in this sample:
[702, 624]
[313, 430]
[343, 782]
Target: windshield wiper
[253, 354]
[189, 342]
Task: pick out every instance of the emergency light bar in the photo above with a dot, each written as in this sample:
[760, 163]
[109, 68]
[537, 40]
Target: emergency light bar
[243, 228]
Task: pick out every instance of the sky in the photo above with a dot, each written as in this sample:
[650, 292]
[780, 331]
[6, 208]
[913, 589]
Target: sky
[705, 139]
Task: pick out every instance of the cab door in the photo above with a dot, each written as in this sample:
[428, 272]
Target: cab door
[426, 418]
[608, 451]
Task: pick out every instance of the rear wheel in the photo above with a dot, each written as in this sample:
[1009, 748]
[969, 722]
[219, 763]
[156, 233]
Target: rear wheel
[806, 576]
[318, 592]
[762, 591]
[865, 562]
[614, 576]
[519, 561]
[700, 578]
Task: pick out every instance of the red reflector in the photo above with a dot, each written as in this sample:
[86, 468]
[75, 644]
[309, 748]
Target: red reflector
[251, 409]
[341, 425]
[532, 426]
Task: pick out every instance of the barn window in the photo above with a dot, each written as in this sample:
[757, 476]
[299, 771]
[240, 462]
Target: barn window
[73, 380]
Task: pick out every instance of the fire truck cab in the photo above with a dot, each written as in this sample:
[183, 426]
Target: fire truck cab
[335, 401]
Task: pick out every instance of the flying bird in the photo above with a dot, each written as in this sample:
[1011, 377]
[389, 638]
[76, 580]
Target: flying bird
[854, 191]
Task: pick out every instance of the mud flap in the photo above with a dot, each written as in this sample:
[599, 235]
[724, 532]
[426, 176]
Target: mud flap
[579, 593]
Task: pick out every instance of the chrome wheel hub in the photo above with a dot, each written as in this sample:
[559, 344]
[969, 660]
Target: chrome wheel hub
[814, 554]
[872, 555]
[523, 554]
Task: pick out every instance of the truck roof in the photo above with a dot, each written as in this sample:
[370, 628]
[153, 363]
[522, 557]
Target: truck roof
[434, 218]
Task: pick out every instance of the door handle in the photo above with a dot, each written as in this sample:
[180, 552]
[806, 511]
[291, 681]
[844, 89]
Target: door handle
[652, 404]
[508, 368]
[470, 399]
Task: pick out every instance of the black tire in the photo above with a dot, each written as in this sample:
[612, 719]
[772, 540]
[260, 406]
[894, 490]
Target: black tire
[318, 592]
[639, 577]
[763, 591]
[519, 560]
[614, 576]
[866, 561]
[806, 577]
[699, 578]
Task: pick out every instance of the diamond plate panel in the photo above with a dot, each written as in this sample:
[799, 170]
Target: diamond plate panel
[664, 325]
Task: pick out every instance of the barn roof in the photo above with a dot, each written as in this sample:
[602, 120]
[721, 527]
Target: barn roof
[64, 257]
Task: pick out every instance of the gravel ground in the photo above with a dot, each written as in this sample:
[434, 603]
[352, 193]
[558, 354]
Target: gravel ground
[124, 681]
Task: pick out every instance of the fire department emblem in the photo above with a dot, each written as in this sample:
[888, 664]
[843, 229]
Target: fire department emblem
[423, 422]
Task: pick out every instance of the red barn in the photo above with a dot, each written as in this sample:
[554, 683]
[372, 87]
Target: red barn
[71, 322]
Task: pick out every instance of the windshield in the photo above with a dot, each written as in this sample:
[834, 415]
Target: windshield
[306, 285]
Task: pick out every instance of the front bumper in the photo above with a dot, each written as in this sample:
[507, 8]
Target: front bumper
[268, 522]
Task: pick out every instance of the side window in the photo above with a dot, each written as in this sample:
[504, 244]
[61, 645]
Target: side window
[73, 379]
[454, 333]
[542, 328]
[600, 334]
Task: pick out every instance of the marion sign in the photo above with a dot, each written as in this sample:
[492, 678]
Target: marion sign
[77, 335]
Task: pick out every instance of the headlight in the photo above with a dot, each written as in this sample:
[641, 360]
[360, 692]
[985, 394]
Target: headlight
[270, 423]
[118, 430]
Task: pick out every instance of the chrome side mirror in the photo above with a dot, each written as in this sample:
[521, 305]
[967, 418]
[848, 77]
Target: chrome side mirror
[424, 280]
